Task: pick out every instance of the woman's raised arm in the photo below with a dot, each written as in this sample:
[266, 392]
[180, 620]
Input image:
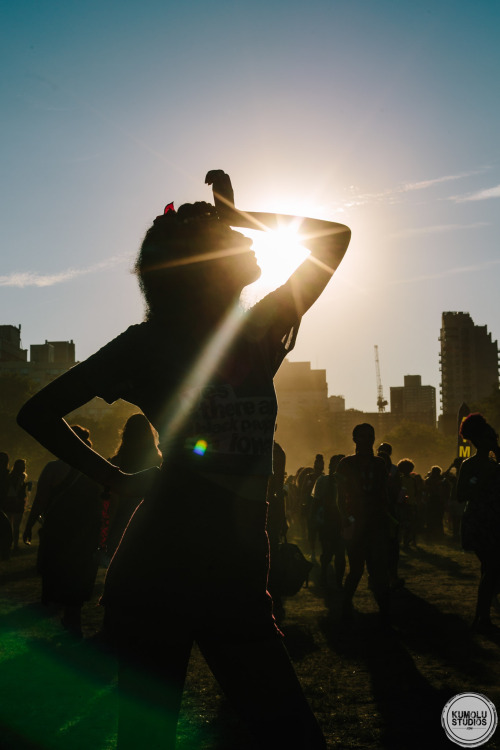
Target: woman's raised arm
[43, 418]
[326, 240]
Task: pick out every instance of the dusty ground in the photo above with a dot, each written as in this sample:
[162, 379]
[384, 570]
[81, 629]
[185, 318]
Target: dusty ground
[369, 689]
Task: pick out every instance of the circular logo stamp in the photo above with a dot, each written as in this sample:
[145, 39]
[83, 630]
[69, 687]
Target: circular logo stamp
[469, 719]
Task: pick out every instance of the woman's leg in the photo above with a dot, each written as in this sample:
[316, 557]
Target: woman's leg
[153, 655]
[327, 550]
[150, 684]
[72, 619]
[259, 679]
[356, 557]
[339, 563]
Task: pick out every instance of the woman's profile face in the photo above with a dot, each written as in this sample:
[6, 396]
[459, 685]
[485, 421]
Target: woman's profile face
[237, 262]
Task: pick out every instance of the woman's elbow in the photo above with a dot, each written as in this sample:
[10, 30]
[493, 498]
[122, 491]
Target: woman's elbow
[345, 237]
[33, 415]
[27, 416]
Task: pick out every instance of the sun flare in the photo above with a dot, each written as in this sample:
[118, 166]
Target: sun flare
[278, 253]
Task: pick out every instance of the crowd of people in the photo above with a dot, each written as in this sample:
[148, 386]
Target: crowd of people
[362, 511]
[367, 509]
[179, 516]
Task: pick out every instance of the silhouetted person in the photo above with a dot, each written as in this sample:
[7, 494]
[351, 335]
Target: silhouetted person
[394, 525]
[138, 450]
[387, 449]
[5, 525]
[312, 521]
[304, 485]
[455, 508]
[15, 498]
[479, 488]
[363, 503]
[409, 503]
[69, 505]
[276, 522]
[192, 564]
[4, 477]
[436, 493]
[329, 523]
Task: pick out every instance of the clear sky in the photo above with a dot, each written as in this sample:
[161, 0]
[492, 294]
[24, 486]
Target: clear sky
[383, 114]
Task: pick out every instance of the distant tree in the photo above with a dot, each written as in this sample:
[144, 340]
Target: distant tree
[489, 407]
[425, 445]
[15, 390]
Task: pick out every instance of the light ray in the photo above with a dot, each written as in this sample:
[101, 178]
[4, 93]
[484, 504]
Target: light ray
[200, 258]
[182, 402]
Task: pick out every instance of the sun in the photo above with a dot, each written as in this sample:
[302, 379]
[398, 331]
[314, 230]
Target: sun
[278, 253]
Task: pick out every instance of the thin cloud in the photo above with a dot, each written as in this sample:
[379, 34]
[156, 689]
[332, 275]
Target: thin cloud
[449, 272]
[23, 279]
[437, 229]
[424, 184]
[392, 195]
[480, 195]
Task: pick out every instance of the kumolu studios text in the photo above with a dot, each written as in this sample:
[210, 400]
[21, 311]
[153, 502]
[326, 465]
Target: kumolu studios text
[469, 718]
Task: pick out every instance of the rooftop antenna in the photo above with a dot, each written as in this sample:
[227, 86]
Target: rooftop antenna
[381, 402]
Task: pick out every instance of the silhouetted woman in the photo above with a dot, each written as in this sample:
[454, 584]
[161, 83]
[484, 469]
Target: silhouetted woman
[193, 562]
[479, 487]
[15, 498]
[138, 450]
[70, 507]
[5, 525]
[4, 477]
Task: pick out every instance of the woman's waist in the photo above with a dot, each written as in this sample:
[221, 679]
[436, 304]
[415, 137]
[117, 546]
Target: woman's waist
[185, 481]
[249, 487]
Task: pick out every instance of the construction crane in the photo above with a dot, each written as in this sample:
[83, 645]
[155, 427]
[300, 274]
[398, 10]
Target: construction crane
[381, 402]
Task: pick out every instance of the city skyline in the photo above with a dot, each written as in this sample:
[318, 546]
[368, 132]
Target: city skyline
[378, 115]
[38, 352]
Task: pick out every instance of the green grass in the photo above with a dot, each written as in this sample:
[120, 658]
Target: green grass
[368, 690]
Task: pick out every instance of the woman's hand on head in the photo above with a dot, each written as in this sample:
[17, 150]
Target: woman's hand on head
[223, 192]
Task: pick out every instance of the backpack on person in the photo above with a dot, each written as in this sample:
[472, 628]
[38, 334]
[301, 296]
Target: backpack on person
[291, 569]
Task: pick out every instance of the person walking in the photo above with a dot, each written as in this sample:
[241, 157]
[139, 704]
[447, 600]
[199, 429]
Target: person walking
[478, 487]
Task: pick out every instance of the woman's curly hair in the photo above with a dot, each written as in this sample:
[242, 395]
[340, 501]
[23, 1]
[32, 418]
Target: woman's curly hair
[474, 427]
[175, 240]
[177, 234]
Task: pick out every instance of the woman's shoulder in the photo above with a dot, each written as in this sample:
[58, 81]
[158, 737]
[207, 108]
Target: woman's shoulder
[128, 348]
[276, 303]
[133, 335]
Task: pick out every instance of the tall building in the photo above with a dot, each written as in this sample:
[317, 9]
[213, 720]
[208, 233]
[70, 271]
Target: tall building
[469, 364]
[414, 401]
[309, 421]
[10, 345]
[301, 390]
[47, 361]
